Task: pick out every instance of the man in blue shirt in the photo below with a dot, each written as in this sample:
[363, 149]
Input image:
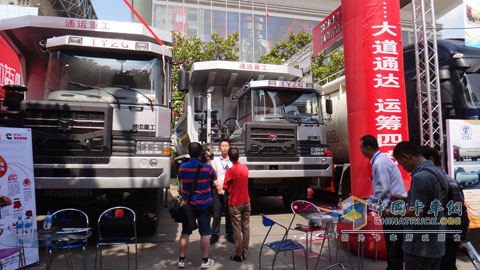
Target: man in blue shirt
[201, 200]
[386, 181]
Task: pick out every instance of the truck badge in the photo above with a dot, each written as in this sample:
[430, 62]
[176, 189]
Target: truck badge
[272, 137]
[64, 125]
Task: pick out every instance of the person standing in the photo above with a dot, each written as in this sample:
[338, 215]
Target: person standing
[423, 201]
[221, 164]
[201, 200]
[236, 183]
[448, 261]
[386, 181]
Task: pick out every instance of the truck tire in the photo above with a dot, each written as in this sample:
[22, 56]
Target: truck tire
[293, 194]
[146, 204]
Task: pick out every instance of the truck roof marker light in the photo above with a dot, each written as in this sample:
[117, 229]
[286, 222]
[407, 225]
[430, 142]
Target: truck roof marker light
[141, 46]
[457, 55]
[75, 40]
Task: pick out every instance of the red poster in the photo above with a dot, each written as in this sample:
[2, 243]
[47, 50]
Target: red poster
[9, 66]
[328, 31]
[374, 82]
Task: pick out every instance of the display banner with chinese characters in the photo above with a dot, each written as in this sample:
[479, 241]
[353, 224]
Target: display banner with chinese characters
[375, 83]
[9, 66]
[463, 149]
[472, 23]
[17, 183]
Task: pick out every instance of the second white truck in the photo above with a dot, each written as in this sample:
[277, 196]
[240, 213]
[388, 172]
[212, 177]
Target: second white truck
[267, 113]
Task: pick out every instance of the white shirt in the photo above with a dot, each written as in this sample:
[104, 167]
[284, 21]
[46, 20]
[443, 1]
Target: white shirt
[220, 166]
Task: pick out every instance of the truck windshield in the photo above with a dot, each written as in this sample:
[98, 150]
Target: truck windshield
[107, 79]
[280, 105]
[473, 90]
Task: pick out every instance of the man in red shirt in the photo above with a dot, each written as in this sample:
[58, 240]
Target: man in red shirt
[236, 183]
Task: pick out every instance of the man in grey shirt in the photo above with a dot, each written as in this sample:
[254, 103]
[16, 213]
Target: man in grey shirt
[386, 181]
[421, 250]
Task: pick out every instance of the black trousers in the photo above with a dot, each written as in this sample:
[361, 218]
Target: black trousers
[449, 260]
[413, 262]
[221, 205]
[394, 248]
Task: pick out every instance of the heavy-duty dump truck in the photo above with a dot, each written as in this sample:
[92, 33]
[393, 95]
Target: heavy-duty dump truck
[267, 113]
[95, 94]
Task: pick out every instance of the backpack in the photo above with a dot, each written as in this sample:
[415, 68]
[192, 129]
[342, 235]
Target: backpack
[453, 192]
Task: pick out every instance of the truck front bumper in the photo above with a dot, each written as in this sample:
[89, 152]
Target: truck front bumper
[120, 172]
[304, 167]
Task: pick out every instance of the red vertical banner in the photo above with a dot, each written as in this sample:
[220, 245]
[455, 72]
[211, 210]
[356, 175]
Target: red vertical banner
[374, 81]
[9, 66]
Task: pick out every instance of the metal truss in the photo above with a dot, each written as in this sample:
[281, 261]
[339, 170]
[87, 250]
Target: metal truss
[72, 9]
[428, 83]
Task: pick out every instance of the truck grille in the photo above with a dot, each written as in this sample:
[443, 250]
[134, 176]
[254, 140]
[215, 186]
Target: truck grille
[271, 140]
[304, 147]
[64, 129]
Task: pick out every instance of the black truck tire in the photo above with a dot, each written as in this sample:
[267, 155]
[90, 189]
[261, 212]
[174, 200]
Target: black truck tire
[292, 194]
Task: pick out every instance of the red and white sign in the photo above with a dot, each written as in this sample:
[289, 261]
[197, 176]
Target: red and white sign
[9, 66]
[374, 81]
[328, 31]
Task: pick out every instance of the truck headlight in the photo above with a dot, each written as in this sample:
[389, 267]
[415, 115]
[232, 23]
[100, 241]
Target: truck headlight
[154, 148]
[317, 151]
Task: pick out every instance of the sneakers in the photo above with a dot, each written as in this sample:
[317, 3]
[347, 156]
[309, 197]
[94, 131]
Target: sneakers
[180, 263]
[207, 264]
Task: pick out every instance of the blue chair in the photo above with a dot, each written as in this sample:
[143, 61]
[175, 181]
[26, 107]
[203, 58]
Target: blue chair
[117, 226]
[72, 231]
[282, 245]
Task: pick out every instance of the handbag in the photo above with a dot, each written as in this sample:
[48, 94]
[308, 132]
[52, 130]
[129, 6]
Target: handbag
[181, 211]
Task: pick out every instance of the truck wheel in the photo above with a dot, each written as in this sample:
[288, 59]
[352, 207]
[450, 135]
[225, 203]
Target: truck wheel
[293, 194]
[146, 204]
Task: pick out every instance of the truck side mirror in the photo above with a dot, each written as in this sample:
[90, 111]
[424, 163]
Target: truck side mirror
[198, 102]
[329, 106]
[183, 81]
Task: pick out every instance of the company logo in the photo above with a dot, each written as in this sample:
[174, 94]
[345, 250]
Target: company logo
[356, 211]
[466, 132]
[272, 137]
[12, 177]
[64, 125]
[16, 137]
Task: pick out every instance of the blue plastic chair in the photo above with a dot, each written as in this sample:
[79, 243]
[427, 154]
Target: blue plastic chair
[117, 226]
[283, 245]
[66, 221]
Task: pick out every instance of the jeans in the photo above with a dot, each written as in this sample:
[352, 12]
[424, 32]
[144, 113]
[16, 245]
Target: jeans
[203, 219]
[413, 262]
[221, 205]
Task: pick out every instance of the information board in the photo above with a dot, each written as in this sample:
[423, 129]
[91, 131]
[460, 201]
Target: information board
[16, 183]
[463, 147]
